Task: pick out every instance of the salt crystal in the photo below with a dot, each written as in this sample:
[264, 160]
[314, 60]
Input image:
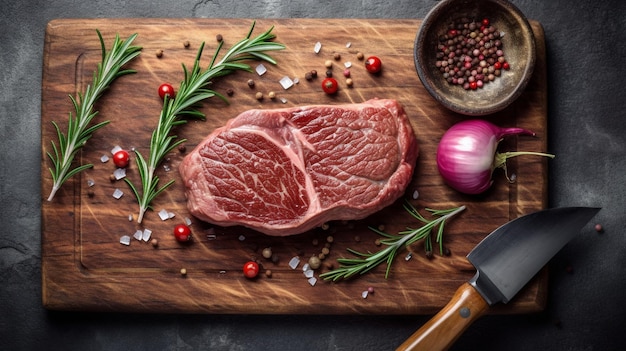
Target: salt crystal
[347, 64]
[309, 273]
[104, 158]
[170, 215]
[296, 80]
[118, 193]
[348, 44]
[125, 240]
[312, 281]
[502, 34]
[187, 221]
[306, 267]
[364, 294]
[222, 272]
[242, 237]
[283, 100]
[138, 235]
[513, 177]
[211, 236]
[167, 168]
[130, 217]
[408, 256]
[146, 234]
[90, 182]
[115, 149]
[260, 69]
[119, 173]
[416, 194]
[294, 262]
[164, 215]
[286, 82]
[317, 47]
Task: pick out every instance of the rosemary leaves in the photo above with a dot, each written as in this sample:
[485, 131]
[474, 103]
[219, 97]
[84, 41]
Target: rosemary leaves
[349, 267]
[79, 129]
[192, 90]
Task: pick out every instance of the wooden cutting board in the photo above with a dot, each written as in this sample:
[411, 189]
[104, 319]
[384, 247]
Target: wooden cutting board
[84, 266]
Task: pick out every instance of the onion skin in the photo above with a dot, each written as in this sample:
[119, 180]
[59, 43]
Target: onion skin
[467, 154]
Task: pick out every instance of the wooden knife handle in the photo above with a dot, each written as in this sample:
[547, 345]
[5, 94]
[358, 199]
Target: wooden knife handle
[440, 332]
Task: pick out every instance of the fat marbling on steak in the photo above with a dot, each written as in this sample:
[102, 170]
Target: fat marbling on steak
[285, 171]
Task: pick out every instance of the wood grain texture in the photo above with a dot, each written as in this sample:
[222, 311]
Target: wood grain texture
[84, 267]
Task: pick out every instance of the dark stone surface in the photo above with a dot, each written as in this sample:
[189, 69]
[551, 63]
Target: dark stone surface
[585, 310]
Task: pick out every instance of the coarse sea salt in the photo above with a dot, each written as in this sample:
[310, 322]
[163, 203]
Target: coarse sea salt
[118, 193]
[115, 149]
[312, 281]
[104, 158]
[242, 237]
[286, 82]
[416, 194]
[125, 240]
[309, 273]
[146, 234]
[364, 294]
[260, 69]
[317, 47]
[90, 182]
[347, 64]
[294, 262]
[138, 234]
[119, 173]
[164, 215]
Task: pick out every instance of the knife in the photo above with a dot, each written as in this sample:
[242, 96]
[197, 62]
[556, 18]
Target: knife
[505, 261]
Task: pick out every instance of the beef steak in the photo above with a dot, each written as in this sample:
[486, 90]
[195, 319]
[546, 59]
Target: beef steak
[285, 171]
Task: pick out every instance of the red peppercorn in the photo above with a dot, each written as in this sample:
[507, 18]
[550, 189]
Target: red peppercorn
[473, 85]
[250, 269]
[485, 22]
[506, 66]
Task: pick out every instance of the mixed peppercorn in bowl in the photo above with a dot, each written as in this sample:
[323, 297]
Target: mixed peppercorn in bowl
[475, 57]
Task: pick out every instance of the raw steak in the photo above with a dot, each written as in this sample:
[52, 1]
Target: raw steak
[285, 171]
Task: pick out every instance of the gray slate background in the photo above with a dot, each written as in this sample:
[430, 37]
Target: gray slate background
[586, 311]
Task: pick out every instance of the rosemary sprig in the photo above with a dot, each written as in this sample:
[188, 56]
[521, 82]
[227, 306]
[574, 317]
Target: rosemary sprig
[193, 89]
[349, 267]
[78, 129]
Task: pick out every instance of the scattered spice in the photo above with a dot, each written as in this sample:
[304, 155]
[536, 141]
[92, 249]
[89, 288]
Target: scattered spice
[183, 271]
[268, 273]
[271, 95]
[251, 83]
[230, 92]
[267, 252]
[315, 262]
[182, 148]
[360, 56]
[159, 53]
[308, 76]
[314, 73]
[598, 228]
[328, 64]
[154, 242]
[329, 73]
[186, 43]
[219, 37]
[349, 82]
[337, 56]
[259, 95]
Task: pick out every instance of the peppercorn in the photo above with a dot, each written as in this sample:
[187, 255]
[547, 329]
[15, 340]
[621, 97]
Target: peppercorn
[337, 56]
[159, 53]
[259, 96]
[329, 74]
[268, 273]
[308, 76]
[183, 271]
[314, 262]
[271, 95]
[186, 43]
[349, 82]
[360, 56]
[328, 64]
[219, 37]
[267, 252]
[154, 242]
[182, 148]
[313, 73]
[230, 92]
[250, 83]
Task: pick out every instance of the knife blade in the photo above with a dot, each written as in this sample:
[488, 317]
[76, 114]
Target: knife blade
[505, 261]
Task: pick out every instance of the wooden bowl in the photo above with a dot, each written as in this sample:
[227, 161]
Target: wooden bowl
[518, 45]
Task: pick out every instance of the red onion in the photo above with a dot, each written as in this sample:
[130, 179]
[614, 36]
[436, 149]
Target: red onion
[467, 156]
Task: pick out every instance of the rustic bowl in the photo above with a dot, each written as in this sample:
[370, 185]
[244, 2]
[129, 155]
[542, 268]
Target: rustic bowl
[518, 44]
